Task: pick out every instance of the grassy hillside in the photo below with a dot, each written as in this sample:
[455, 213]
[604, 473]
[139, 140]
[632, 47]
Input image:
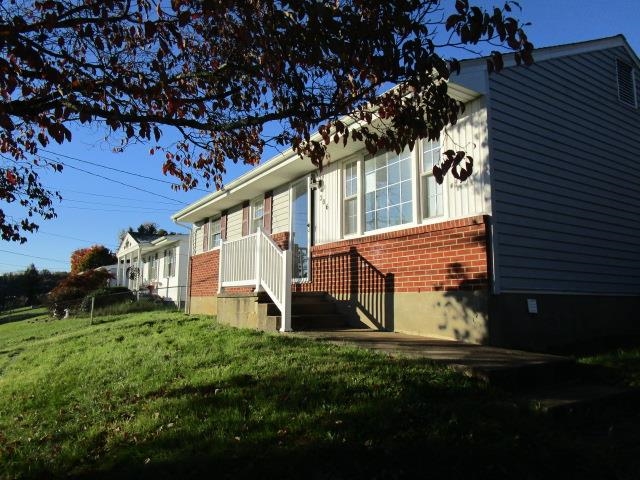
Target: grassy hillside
[164, 395]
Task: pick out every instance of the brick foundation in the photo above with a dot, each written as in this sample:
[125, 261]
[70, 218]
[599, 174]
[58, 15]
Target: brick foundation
[448, 256]
[204, 274]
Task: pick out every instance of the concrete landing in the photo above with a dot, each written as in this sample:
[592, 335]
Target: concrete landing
[541, 382]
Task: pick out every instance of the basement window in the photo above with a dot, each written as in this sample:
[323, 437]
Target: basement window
[626, 83]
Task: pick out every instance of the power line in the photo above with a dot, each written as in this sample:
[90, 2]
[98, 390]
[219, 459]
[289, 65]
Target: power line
[128, 210]
[114, 169]
[117, 206]
[72, 238]
[119, 182]
[34, 256]
[113, 196]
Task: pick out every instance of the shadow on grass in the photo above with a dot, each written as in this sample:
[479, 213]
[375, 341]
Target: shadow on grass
[21, 315]
[324, 426]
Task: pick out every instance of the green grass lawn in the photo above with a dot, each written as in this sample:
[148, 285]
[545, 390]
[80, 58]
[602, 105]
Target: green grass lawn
[165, 395]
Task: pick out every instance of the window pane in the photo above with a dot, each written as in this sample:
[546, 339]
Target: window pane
[394, 173]
[387, 189]
[394, 194]
[350, 217]
[370, 221]
[382, 218]
[407, 213]
[370, 201]
[395, 217]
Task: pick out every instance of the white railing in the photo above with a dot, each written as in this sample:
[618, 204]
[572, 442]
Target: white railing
[256, 260]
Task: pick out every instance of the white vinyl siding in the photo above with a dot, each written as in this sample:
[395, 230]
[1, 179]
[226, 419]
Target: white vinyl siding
[280, 210]
[432, 192]
[234, 223]
[197, 239]
[328, 205]
[566, 190]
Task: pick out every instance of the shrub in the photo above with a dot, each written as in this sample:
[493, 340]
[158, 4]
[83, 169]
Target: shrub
[142, 305]
[107, 296]
[70, 292]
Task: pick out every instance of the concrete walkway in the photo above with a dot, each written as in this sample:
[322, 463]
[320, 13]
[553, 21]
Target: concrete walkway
[448, 352]
[547, 382]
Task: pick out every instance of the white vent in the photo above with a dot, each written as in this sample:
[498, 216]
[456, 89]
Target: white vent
[626, 84]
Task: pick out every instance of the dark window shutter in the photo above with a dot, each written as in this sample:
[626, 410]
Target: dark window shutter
[268, 210]
[223, 225]
[245, 218]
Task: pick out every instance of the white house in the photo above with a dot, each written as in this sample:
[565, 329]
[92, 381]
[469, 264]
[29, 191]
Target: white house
[155, 264]
[538, 248]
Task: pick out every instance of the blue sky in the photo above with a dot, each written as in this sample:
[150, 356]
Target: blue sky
[100, 199]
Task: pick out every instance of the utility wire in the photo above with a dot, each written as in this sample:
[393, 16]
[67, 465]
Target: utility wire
[34, 256]
[113, 196]
[121, 183]
[117, 206]
[113, 169]
[72, 238]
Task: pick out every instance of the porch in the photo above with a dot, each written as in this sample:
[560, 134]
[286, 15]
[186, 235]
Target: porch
[255, 288]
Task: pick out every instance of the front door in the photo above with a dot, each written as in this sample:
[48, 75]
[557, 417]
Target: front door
[300, 230]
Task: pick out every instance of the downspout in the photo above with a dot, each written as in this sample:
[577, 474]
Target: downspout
[187, 300]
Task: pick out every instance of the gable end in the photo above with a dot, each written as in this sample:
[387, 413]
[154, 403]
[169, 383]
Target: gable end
[626, 83]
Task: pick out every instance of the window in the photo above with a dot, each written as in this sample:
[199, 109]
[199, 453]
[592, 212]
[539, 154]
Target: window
[626, 83]
[153, 270]
[170, 262]
[432, 192]
[257, 213]
[387, 190]
[351, 198]
[215, 235]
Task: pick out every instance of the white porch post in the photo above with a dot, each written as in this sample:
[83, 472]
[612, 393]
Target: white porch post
[257, 258]
[221, 266]
[286, 279]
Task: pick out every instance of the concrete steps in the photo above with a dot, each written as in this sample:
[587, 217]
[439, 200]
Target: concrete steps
[309, 311]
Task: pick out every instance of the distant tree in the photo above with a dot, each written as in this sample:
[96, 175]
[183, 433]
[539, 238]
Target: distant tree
[89, 258]
[146, 229]
[28, 286]
[216, 72]
[31, 281]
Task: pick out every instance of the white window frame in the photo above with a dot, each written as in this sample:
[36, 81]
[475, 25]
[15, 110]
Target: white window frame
[170, 262]
[410, 202]
[153, 267]
[428, 147]
[350, 196]
[257, 207]
[215, 233]
[418, 180]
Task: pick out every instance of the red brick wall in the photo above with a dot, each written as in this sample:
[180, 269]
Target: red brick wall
[445, 256]
[204, 274]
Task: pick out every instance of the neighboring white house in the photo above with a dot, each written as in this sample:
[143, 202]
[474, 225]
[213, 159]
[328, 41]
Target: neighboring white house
[539, 247]
[155, 264]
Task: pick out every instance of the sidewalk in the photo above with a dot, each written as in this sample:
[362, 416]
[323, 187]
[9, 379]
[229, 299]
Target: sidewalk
[449, 352]
[545, 382]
